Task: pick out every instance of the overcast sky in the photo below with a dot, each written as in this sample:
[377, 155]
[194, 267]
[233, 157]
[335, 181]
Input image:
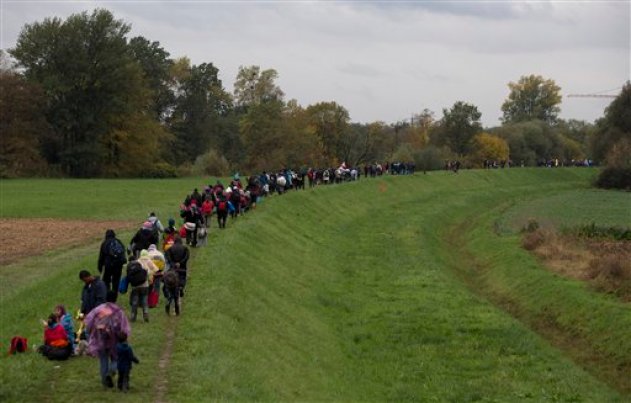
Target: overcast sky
[385, 60]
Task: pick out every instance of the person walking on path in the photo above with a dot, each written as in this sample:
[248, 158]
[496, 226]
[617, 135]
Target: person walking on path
[94, 291]
[112, 257]
[145, 236]
[125, 357]
[105, 324]
[177, 257]
[140, 291]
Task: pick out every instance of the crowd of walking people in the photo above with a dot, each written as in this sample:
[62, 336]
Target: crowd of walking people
[156, 262]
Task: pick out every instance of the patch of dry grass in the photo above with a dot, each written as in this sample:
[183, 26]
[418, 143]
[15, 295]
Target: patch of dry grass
[605, 265]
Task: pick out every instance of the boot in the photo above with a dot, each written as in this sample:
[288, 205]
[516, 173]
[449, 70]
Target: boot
[145, 316]
[134, 314]
[167, 308]
[177, 309]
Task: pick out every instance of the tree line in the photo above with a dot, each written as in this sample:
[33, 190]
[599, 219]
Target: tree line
[80, 98]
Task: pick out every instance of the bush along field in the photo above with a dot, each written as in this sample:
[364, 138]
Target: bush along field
[396, 288]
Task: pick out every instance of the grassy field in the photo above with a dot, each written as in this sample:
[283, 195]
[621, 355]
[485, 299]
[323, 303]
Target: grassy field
[398, 288]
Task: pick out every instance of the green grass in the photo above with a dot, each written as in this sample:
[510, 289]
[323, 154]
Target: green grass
[571, 209]
[383, 290]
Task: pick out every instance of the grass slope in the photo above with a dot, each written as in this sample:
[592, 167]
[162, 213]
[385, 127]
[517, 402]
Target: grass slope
[375, 290]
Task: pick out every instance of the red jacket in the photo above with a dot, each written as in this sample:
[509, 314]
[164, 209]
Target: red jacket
[55, 336]
[207, 207]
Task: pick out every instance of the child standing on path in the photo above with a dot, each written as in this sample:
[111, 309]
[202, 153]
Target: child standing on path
[125, 358]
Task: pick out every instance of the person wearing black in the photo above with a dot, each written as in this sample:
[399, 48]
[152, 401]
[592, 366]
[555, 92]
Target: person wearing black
[112, 257]
[193, 219]
[177, 257]
[94, 291]
[125, 356]
[197, 197]
[146, 236]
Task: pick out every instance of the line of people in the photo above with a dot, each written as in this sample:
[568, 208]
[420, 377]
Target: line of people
[156, 259]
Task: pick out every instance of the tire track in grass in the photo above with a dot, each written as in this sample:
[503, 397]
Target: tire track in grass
[165, 359]
[162, 385]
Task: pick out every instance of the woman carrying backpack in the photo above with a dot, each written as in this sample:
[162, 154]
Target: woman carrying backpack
[139, 275]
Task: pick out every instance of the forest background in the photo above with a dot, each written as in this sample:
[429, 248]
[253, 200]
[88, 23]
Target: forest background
[80, 98]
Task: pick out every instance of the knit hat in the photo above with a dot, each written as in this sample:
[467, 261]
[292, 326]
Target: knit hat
[171, 222]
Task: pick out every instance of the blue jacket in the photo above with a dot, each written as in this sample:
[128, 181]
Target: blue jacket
[125, 357]
[66, 322]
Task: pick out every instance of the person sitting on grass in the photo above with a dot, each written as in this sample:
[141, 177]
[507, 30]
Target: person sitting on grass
[65, 319]
[56, 345]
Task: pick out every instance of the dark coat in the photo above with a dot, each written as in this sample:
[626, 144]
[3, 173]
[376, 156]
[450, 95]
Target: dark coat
[93, 295]
[125, 357]
[178, 253]
[105, 260]
[144, 238]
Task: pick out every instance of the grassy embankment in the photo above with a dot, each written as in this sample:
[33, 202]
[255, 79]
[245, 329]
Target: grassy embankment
[368, 291]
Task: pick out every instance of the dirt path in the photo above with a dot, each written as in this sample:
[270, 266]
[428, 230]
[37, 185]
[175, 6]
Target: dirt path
[163, 364]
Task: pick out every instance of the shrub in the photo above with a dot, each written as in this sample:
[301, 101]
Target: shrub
[160, 170]
[532, 240]
[531, 226]
[430, 158]
[594, 231]
[211, 163]
[614, 177]
[612, 273]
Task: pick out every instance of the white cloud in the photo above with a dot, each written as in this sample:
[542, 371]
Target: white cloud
[386, 60]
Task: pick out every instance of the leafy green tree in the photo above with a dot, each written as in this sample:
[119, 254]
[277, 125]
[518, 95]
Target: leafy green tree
[615, 126]
[362, 143]
[22, 124]
[92, 83]
[457, 128]
[612, 142]
[302, 146]
[253, 86]
[532, 98]
[330, 122]
[271, 133]
[200, 105]
[531, 142]
[263, 136]
[156, 67]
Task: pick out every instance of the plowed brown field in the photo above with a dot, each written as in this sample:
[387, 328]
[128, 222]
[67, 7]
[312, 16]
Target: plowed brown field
[28, 237]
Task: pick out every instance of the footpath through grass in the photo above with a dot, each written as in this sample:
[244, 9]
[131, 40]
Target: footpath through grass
[377, 290]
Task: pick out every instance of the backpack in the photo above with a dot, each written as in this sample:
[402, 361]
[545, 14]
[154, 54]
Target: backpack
[170, 279]
[123, 285]
[222, 206]
[18, 345]
[116, 251]
[136, 275]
